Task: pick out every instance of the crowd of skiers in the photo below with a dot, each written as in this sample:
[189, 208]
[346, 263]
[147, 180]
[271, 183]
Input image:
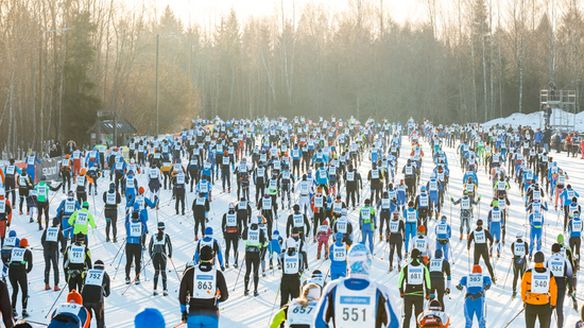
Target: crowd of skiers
[337, 184]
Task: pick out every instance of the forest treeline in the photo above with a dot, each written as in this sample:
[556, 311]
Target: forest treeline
[62, 61]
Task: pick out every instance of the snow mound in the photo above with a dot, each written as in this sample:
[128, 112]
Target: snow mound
[535, 120]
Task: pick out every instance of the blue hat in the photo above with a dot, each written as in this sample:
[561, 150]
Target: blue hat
[208, 231]
[276, 232]
[359, 259]
[149, 318]
[12, 233]
[339, 236]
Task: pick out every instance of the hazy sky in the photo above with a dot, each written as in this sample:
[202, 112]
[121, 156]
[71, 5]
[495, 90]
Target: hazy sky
[206, 12]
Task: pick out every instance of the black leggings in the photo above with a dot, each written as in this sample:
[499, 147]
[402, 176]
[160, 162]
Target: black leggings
[289, 289]
[51, 259]
[111, 220]
[533, 312]
[17, 278]
[200, 221]
[133, 253]
[417, 302]
[231, 239]
[252, 258]
[97, 312]
[43, 206]
[395, 245]
[159, 261]
[179, 194]
[482, 251]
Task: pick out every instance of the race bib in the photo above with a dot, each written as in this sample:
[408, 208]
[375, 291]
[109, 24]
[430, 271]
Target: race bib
[81, 218]
[415, 275]
[76, 254]
[52, 234]
[135, 229]
[94, 277]
[540, 282]
[17, 255]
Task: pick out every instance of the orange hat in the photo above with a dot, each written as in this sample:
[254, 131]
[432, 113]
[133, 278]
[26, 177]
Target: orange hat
[141, 190]
[421, 229]
[74, 297]
[83, 170]
[24, 242]
[477, 269]
[67, 156]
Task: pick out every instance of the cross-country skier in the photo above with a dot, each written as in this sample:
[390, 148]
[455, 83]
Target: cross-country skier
[356, 299]
[95, 288]
[53, 243]
[160, 249]
[539, 293]
[206, 287]
[414, 286]
[474, 300]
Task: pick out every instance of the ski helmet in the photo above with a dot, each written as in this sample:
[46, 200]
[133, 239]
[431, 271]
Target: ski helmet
[359, 259]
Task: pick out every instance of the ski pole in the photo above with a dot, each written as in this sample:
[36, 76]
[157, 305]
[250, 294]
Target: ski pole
[171, 262]
[507, 275]
[119, 249]
[239, 273]
[137, 276]
[56, 299]
[144, 267]
[118, 267]
[515, 317]
[273, 304]
[468, 259]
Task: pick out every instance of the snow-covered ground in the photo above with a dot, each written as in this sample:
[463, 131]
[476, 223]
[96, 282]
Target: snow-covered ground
[535, 120]
[249, 311]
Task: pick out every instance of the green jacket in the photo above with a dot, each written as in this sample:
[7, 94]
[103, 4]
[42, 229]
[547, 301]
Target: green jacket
[80, 221]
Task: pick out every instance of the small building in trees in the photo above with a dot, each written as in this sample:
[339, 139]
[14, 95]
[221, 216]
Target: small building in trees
[111, 129]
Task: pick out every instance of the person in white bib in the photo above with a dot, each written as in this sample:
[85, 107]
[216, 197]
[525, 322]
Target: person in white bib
[539, 293]
[483, 241]
[71, 314]
[160, 250]
[356, 301]
[111, 199]
[51, 239]
[206, 287]
[95, 288]
[19, 266]
[301, 311]
[414, 285]
[76, 262]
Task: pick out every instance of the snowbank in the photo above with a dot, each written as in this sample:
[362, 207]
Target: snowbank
[535, 120]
